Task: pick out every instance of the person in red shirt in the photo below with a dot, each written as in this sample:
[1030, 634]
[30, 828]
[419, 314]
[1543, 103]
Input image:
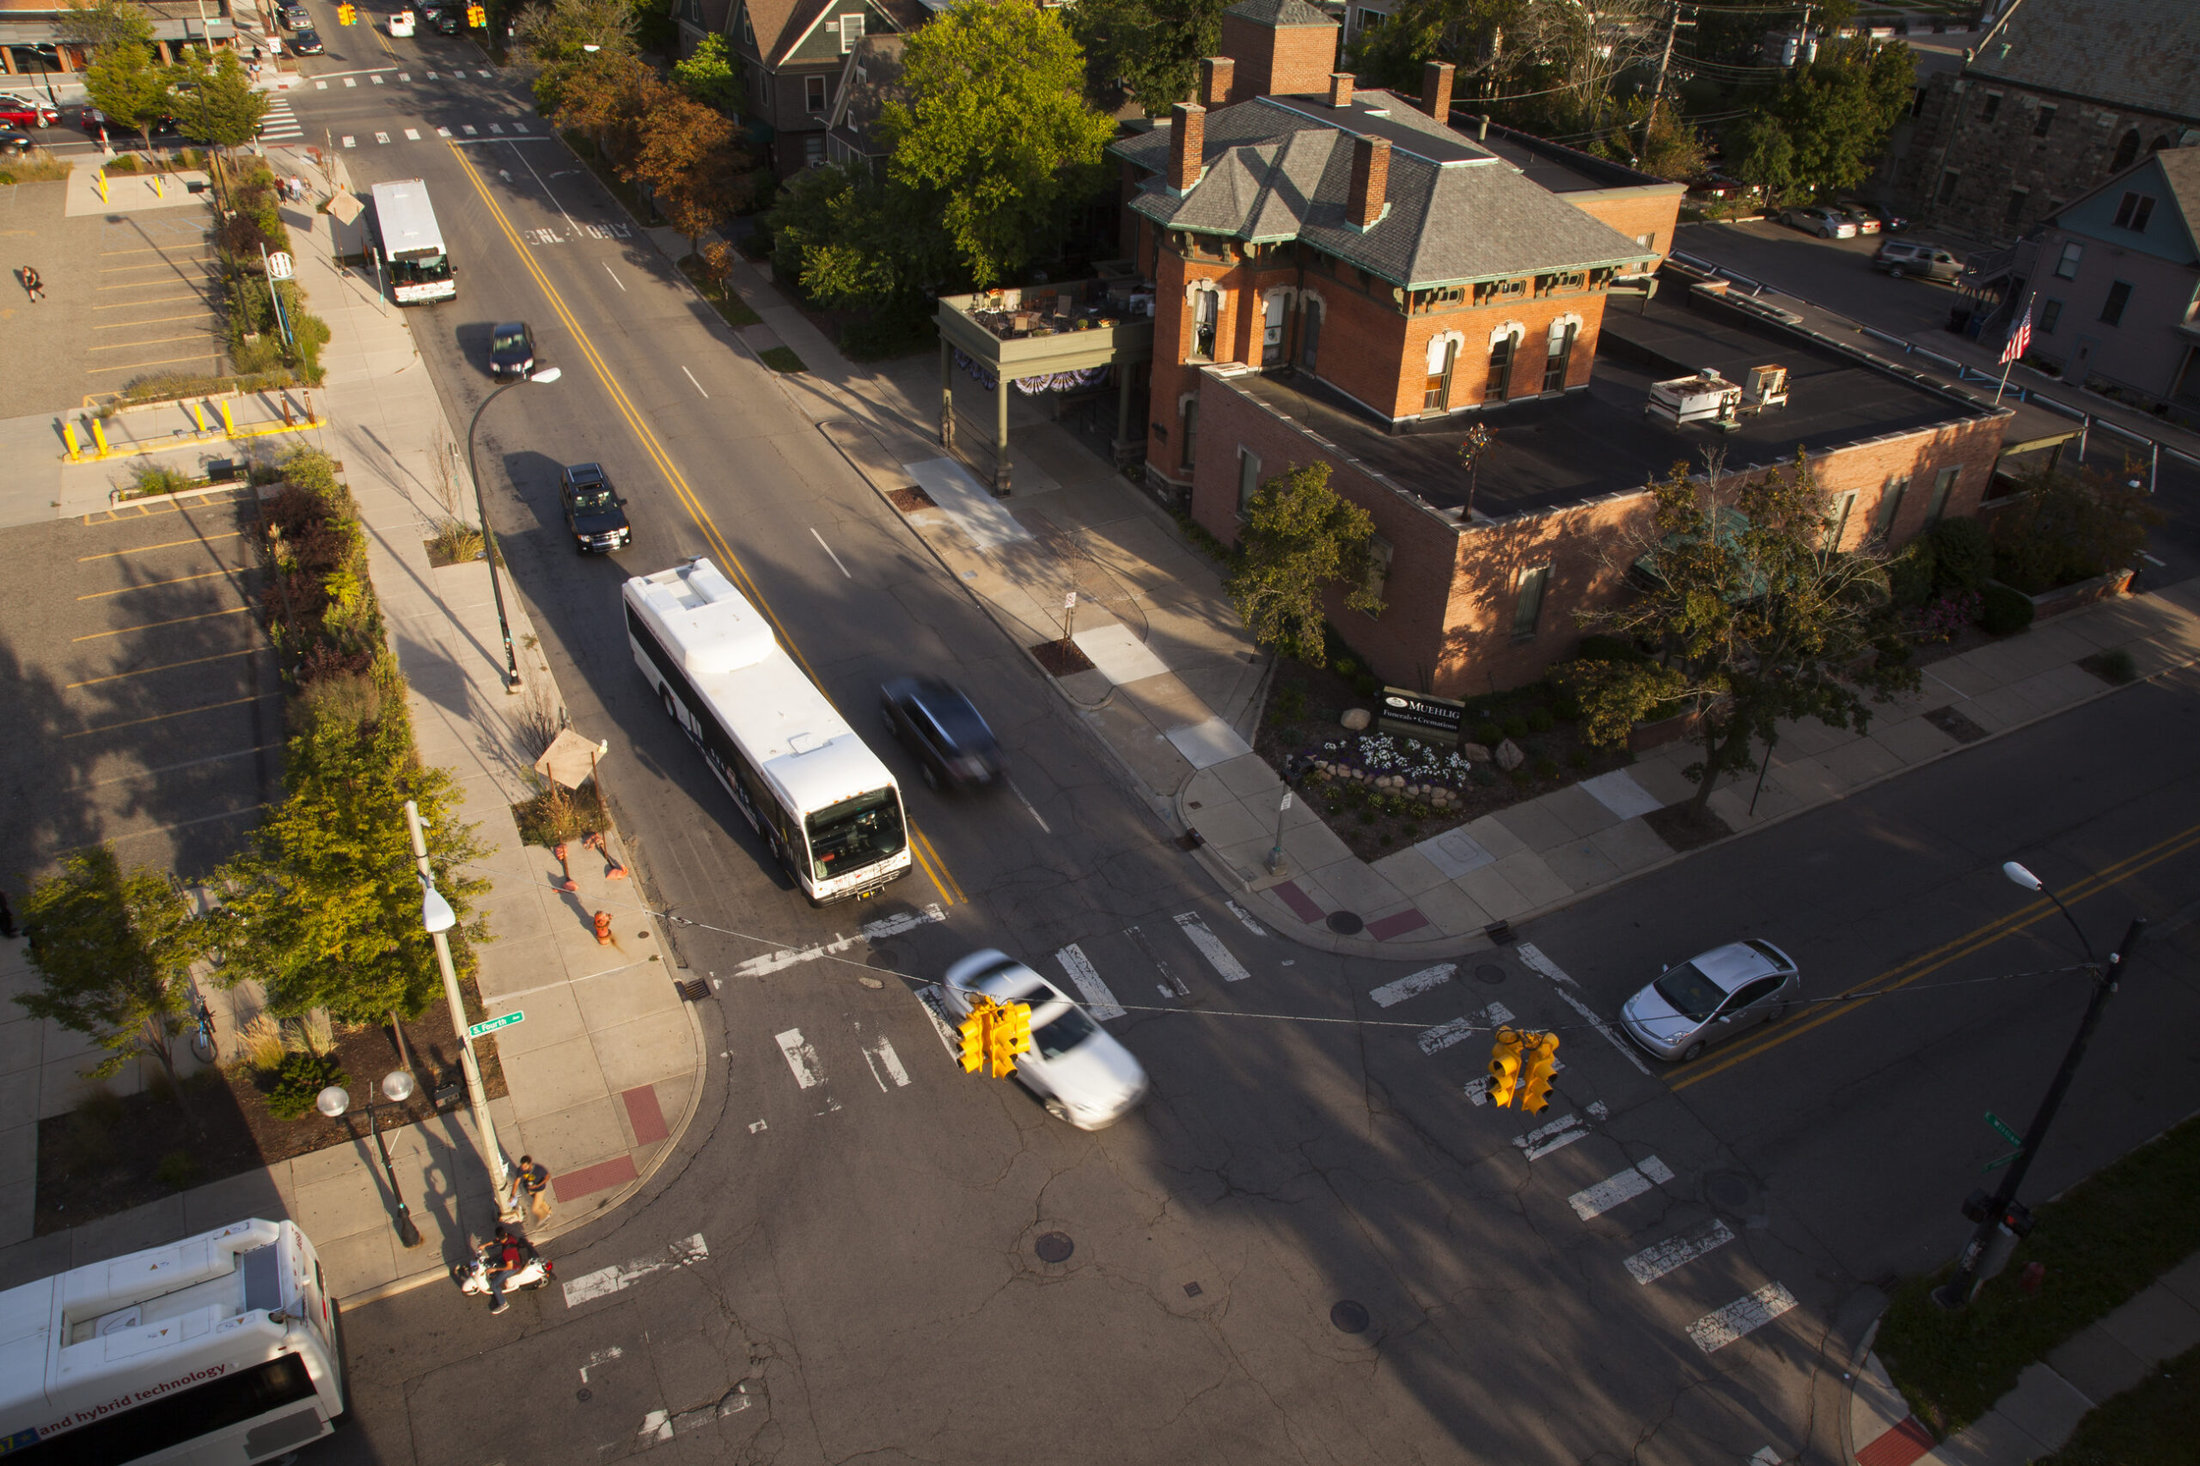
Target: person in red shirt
[507, 1255]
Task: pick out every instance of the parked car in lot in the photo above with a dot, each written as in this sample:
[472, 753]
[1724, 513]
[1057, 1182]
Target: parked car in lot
[297, 18]
[307, 42]
[1899, 257]
[1824, 222]
[20, 111]
[1864, 219]
[511, 349]
[938, 724]
[1710, 998]
[1074, 1066]
[594, 512]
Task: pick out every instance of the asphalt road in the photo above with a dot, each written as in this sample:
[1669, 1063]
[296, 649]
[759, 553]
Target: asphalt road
[839, 1263]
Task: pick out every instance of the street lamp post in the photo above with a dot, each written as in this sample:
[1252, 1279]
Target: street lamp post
[1996, 1237]
[397, 1087]
[488, 535]
[437, 916]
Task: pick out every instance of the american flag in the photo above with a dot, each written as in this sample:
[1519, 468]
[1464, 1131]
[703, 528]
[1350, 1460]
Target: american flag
[2020, 337]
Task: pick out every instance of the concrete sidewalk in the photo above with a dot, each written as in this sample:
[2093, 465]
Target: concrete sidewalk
[2033, 1420]
[1177, 688]
[605, 1071]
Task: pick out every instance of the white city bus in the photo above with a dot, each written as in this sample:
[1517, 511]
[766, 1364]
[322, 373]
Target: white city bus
[825, 803]
[220, 1348]
[412, 243]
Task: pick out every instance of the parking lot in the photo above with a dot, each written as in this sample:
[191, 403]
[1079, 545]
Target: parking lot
[153, 306]
[149, 697]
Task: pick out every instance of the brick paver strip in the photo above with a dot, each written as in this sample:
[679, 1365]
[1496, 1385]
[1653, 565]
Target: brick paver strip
[1397, 924]
[1899, 1446]
[1298, 901]
[573, 1185]
[644, 1114]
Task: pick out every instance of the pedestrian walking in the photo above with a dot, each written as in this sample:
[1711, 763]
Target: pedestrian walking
[532, 1179]
[33, 286]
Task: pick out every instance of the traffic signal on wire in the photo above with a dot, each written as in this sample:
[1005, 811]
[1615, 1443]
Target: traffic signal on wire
[477, 16]
[1504, 1067]
[347, 14]
[1535, 1084]
[976, 1030]
[1011, 1036]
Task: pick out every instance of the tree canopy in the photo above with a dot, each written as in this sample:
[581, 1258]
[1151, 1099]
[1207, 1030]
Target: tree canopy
[1824, 129]
[101, 24]
[1150, 49]
[215, 100]
[126, 83]
[712, 75]
[1748, 617]
[1300, 539]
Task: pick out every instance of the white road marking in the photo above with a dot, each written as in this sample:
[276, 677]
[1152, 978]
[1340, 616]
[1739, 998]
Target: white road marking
[1099, 1002]
[485, 75]
[1658, 1259]
[802, 1058]
[1598, 1109]
[870, 931]
[1029, 808]
[1478, 1091]
[377, 80]
[1162, 989]
[404, 76]
[1766, 1456]
[1419, 982]
[468, 128]
[1497, 1015]
[615, 278]
[1744, 1315]
[433, 77]
[412, 134]
[1532, 957]
[601, 1357]
[656, 1426]
[603, 1282]
[698, 385]
[320, 86]
[929, 999]
[496, 129]
[2151, 560]
[1246, 917]
[756, 1126]
[1594, 1201]
[1538, 1152]
[351, 142]
[443, 132]
[382, 138]
[828, 549]
[881, 1055]
[351, 81]
[1210, 946]
[1539, 1141]
[1444, 1035]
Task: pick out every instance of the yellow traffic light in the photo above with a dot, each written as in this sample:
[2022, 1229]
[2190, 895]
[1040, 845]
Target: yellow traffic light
[1015, 1024]
[976, 1031]
[1504, 1067]
[346, 14]
[1535, 1085]
[477, 17]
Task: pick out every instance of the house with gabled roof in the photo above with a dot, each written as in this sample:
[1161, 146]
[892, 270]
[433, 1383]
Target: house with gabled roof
[793, 56]
[870, 78]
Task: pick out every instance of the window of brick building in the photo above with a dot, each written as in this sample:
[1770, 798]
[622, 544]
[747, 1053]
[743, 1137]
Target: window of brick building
[1990, 109]
[1379, 553]
[2119, 296]
[1310, 334]
[1436, 389]
[1837, 519]
[1248, 478]
[2134, 212]
[1529, 609]
[1501, 360]
[1206, 306]
[1561, 352]
[2050, 313]
[1272, 320]
[1944, 483]
[2043, 122]
[2015, 209]
[1190, 434]
[2073, 255]
[813, 93]
[1890, 505]
[1948, 182]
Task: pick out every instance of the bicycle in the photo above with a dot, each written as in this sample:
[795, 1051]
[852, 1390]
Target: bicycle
[202, 1037]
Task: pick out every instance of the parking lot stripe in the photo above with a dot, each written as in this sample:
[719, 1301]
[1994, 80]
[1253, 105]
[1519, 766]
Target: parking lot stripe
[140, 304]
[164, 361]
[164, 717]
[100, 595]
[192, 763]
[164, 667]
[135, 345]
[152, 625]
[197, 539]
[156, 321]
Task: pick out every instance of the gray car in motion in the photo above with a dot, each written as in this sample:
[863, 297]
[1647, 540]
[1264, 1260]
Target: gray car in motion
[1710, 998]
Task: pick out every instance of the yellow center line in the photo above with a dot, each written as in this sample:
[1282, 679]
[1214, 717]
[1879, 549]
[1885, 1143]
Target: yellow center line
[163, 545]
[101, 595]
[163, 717]
[168, 667]
[155, 625]
[926, 856]
[1976, 940]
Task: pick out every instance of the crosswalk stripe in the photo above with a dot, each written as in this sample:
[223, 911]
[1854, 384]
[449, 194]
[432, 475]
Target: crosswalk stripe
[1533, 959]
[1741, 1317]
[433, 77]
[351, 81]
[485, 75]
[881, 1055]
[1420, 982]
[468, 130]
[1210, 946]
[497, 128]
[320, 86]
[377, 80]
[801, 1057]
[404, 76]
[351, 142]
[1444, 1035]
[1655, 1261]
[382, 137]
[443, 132]
[1592, 1202]
[412, 134]
[1099, 1001]
[1247, 918]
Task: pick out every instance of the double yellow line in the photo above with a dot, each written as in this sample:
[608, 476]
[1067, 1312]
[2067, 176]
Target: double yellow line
[1976, 940]
[943, 881]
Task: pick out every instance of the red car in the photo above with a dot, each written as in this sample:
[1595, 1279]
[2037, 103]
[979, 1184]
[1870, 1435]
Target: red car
[26, 112]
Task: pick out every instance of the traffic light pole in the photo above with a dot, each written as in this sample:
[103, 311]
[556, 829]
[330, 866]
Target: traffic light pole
[1958, 1290]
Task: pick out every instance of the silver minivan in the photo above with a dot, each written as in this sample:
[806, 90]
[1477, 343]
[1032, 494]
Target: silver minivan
[1899, 257]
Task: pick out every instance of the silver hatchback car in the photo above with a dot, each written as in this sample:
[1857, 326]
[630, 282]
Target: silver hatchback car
[1710, 998]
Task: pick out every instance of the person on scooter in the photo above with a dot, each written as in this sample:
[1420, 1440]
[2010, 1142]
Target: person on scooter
[507, 1254]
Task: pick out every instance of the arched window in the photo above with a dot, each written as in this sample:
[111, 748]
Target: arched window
[2126, 151]
[1443, 351]
[1310, 332]
[1503, 342]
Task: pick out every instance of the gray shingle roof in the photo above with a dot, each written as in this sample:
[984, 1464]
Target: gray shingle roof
[2143, 54]
[1457, 213]
[1279, 12]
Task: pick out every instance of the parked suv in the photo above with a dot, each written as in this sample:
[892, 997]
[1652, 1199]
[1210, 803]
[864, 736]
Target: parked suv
[1899, 257]
[594, 512]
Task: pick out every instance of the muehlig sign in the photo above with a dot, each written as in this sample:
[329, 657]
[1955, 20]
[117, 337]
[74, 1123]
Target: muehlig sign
[1418, 715]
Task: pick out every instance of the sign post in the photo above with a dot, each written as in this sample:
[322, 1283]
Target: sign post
[502, 1020]
[1418, 715]
[1277, 865]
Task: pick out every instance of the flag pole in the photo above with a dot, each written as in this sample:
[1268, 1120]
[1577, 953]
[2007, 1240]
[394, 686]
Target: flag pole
[2020, 336]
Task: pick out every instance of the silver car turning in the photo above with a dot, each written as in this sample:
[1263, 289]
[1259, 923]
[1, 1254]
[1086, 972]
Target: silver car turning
[1709, 998]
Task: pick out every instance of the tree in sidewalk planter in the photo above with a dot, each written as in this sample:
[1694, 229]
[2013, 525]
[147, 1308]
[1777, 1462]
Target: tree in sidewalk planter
[995, 133]
[128, 84]
[113, 951]
[2061, 528]
[1300, 540]
[568, 40]
[690, 160]
[711, 75]
[101, 24]
[1755, 620]
[1148, 49]
[607, 97]
[214, 100]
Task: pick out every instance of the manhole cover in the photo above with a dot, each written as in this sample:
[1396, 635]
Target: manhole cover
[1345, 923]
[1349, 1317]
[1054, 1247]
[1728, 1190]
[886, 959]
[1489, 974]
[584, 1396]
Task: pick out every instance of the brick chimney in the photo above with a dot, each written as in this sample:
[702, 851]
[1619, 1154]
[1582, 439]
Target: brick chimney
[1436, 89]
[1370, 180]
[1214, 80]
[1187, 139]
[1340, 89]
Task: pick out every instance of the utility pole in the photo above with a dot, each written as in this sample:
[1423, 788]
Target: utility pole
[1665, 64]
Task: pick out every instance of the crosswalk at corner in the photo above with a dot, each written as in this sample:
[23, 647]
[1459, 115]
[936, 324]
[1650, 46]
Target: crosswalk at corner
[281, 124]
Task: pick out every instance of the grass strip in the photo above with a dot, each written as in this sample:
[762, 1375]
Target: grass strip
[2158, 1420]
[731, 306]
[783, 359]
[2101, 1243]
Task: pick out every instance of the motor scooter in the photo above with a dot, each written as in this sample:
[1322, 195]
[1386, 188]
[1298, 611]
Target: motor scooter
[472, 1275]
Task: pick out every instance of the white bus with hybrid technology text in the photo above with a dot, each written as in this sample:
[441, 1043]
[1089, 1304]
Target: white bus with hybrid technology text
[221, 1348]
[412, 243]
[814, 790]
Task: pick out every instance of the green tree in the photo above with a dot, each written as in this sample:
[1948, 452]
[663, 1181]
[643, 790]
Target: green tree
[608, 96]
[655, 28]
[113, 952]
[1834, 115]
[124, 82]
[688, 157]
[215, 101]
[570, 38]
[848, 240]
[1300, 540]
[1148, 49]
[326, 900]
[712, 75]
[2061, 528]
[996, 131]
[1470, 34]
[103, 24]
[1760, 151]
[1755, 620]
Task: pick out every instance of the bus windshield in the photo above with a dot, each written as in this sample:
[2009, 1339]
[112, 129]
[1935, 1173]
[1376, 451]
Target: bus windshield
[412, 268]
[855, 833]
